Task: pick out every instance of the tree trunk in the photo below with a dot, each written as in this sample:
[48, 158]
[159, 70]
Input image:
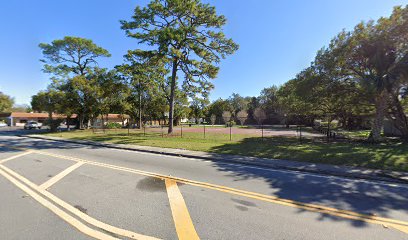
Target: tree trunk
[172, 91]
[68, 118]
[81, 121]
[378, 123]
[397, 117]
[139, 125]
[52, 128]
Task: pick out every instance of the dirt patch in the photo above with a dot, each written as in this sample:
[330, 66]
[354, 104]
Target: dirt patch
[151, 184]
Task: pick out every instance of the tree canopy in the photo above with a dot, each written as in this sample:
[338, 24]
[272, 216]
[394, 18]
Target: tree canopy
[187, 33]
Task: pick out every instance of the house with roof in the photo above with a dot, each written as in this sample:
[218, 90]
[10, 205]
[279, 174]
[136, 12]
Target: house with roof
[18, 119]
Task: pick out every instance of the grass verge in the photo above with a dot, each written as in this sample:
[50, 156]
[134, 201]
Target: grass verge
[390, 156]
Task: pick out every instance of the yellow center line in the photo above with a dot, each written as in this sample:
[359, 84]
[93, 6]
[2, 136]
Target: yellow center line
[66, 217]
[76, 212]
[397, 224]
[182, 220]
[15, 156]
[60, 175]
[286, 202]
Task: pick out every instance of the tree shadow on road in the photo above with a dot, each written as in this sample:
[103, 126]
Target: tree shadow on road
[346, 194]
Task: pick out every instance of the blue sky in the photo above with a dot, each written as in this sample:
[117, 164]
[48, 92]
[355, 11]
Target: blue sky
[277, 38]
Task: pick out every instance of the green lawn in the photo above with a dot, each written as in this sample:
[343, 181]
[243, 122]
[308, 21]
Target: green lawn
[392, 156]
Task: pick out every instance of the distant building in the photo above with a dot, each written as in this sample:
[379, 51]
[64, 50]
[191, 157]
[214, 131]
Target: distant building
[123, 119]
[20, 118]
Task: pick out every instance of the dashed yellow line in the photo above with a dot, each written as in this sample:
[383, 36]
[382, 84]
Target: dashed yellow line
[15, 156]
[60, 175]
[66, 217]
[182, 220]
[75, 211]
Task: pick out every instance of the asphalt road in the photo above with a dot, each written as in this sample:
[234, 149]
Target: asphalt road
[52, 190]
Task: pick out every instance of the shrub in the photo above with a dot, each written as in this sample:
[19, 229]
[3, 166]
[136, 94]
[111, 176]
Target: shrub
[111, 125]
[230, 124]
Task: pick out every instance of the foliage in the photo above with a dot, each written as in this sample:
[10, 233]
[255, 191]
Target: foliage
[6, 102]
[71, 55]
[21, 108]
[259, 115]
[227, 117]
[72, 61]
[188, 34]
[242, 116]
[213, 118]
[112, 125]
[361, 76]
[50, 101]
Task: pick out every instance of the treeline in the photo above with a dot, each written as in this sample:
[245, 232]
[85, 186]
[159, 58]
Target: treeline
[182, 44]
[7, 104]
[362, 74]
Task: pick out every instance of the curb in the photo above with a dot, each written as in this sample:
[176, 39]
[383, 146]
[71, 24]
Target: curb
[377, 175]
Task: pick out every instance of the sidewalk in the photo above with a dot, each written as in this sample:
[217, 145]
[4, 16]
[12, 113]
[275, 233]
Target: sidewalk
[325, 169]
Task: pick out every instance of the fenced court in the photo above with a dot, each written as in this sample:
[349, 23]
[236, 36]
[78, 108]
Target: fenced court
[217, 132]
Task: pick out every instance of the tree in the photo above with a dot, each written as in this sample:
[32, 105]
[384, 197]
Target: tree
[6, 102]
[226, 116]
[375, 53]
[218, 107]
[268, 100]
[253, 103]
[197, 108]
[213, 118]
[50, 101]
[242, 116]
[238, 103]
[146, 74]
[111, 93]
[21, 108]
[188, 34]
[72, 60]
[71, 55]
[259, 115]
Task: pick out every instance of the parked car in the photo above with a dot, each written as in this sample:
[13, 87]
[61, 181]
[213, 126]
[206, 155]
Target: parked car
[32, 125]
[2, 124]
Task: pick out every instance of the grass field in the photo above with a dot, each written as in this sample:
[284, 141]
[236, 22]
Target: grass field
[391, 156]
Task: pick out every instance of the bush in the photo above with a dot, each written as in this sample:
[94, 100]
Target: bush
[230, 124]
[111, 125]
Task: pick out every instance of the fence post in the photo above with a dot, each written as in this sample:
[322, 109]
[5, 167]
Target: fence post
[181, 126]
[128, 127]
[230, 130]
[262, 127]
[161, 129]
[144, 130]
[204, 131]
